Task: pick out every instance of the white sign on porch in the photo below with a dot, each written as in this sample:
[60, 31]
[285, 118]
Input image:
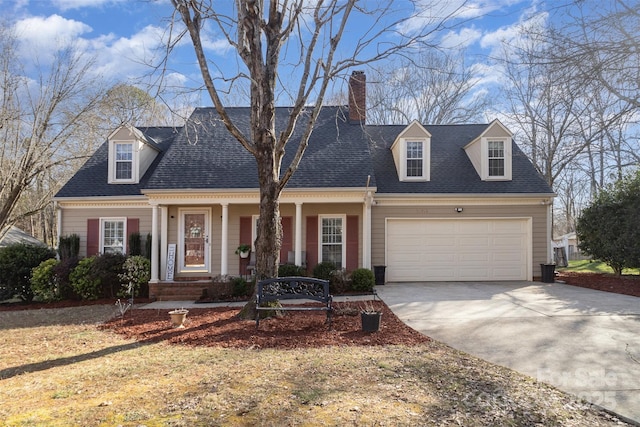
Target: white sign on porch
[171, 261]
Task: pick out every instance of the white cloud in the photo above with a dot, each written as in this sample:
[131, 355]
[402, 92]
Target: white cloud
[430, 12]
[515, 35]
[126, 57]
[77, 4]
[461, 39]
[49, 34]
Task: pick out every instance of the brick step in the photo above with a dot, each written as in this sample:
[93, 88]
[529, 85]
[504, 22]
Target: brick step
[176, 291]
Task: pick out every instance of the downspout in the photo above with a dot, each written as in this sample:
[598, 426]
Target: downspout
[366, 226]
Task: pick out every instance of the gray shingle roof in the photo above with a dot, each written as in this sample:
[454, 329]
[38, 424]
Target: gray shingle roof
[208, 156]
[204, 155]
[92, 178]
[451, 170]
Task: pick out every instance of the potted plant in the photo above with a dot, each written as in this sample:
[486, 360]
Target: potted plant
[243, 250]
[370, 317]
[178, 317]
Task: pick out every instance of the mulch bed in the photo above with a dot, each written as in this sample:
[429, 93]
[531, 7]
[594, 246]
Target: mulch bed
[221, 327]
[625, 284]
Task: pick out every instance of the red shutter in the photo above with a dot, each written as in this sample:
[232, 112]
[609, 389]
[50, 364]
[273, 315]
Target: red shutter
[245, 231]
[133, 226]
[312, 242]
[93, 237]
[245, 237]
[352, 242]
[287, 238]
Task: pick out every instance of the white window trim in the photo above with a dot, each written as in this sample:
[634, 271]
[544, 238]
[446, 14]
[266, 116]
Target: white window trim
[507, 160]
[426, 159]
[124, 230]
[134, 163]
[344, 236]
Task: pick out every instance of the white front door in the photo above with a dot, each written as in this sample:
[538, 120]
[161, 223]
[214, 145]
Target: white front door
[193, 249]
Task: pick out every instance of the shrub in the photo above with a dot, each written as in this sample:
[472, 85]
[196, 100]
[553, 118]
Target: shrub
[83, 280]
[339, 281]
[607, 229]
[69, 247]
[62, 271]
[108, 267]
[324, 270]
[16, 263]
[240, 287]
[291, 270]
[137, 271]
[44, 283]
[362, 279]
[135, 244]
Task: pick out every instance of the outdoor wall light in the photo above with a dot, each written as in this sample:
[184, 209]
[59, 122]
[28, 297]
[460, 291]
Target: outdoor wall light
[458, 210]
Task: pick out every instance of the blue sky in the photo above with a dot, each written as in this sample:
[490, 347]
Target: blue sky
[125, 35]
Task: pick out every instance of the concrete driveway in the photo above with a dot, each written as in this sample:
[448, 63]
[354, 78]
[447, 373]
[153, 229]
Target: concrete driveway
[582, 341]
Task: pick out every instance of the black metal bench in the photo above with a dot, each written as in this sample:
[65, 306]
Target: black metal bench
[293, 288]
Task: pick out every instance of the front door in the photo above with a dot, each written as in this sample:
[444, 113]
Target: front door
[194, 241]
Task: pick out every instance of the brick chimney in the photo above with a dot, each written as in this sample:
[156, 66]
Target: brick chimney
[357, 97]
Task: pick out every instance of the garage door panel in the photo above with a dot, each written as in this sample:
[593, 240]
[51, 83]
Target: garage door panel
[474, 257]
[465, 249]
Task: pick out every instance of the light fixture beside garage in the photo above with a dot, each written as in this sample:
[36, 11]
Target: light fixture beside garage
[459, 210]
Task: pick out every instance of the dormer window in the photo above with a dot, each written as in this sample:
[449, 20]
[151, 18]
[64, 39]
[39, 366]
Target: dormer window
[130, 154]
[412, 153]
[490, 153]
[415, 159]
[496, 158]
[124, 161]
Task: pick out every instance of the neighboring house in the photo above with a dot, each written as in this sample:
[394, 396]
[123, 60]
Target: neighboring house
[569, 243]
[431, 203]
[16, 235]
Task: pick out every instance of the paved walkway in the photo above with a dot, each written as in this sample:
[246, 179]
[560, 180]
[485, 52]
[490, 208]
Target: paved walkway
[582, 341]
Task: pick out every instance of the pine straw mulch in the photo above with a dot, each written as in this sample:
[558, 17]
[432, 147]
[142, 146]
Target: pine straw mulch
[221, 327]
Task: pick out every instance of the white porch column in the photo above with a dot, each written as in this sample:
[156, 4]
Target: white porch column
[298, 242]
[366, 231]
[164, 236]
[155, 268]
[224, 256]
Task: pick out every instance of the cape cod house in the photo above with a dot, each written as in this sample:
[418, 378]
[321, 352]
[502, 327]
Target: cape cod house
[431, 203]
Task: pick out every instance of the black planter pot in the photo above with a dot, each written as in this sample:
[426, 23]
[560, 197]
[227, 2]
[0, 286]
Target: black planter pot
[371, 321]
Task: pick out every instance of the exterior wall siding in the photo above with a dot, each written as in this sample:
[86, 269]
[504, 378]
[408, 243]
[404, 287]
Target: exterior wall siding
[74, 221]
[538, 213]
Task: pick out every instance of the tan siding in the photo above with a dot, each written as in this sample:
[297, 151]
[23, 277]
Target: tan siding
[474, 152]
[123, 134]
[496, 132]
[536, 212]
[414, 131]
[74, 221]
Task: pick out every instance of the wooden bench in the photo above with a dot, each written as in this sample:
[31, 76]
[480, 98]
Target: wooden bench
[293, 288]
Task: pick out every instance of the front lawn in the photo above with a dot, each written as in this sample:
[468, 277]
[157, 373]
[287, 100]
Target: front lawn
[588, 266]
[57, 368]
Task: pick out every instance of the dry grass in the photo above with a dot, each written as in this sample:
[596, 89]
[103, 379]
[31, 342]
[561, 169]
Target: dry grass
[58, 369]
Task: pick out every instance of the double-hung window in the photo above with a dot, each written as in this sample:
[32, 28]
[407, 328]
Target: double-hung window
[113, 235]
[124, 161]
[496, 158]
[415, 159]
[332, 240]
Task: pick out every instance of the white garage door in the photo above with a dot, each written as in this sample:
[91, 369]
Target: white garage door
[458, 249]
